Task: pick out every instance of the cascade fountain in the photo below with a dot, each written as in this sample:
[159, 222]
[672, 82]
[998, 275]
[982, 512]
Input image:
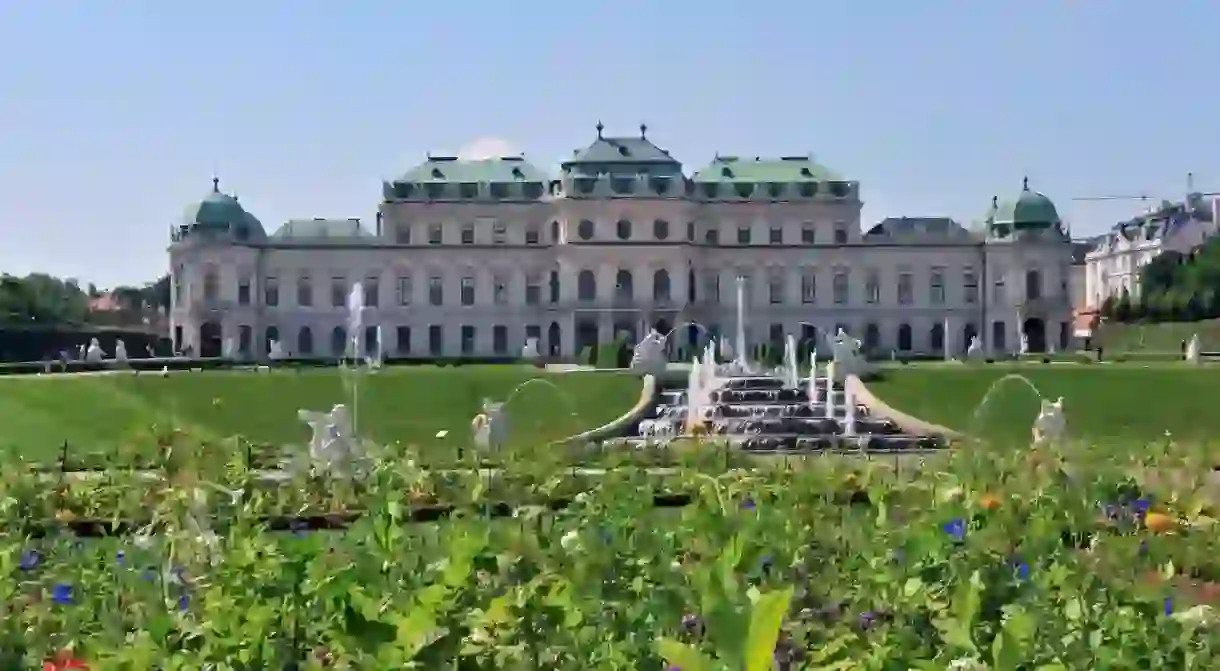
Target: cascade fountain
[740, 344]
[790, 366]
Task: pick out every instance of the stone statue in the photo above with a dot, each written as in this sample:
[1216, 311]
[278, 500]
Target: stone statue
[1050, 425]
[228, 349]
[1024, 344]
[333, 446]
[276, 351]
[649, 356]
[490, 427]
[95, 353]
[530, 351]
[1192, 349]
[848, 359]
[120, 352]
[975, 351]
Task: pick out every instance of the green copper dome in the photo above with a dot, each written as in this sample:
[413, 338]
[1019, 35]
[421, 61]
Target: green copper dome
[1030, 210]
[219, 211]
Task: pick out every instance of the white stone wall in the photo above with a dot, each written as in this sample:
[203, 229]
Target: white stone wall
[490, 260]
[1114, 266]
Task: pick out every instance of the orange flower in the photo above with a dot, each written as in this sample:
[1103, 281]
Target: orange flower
[989, 501]
[65, 515]
[1160, 522]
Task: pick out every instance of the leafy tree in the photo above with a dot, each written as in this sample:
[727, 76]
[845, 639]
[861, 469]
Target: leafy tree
[1107, 307]
[1122, 308]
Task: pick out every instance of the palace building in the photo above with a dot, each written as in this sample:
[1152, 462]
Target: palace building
[472, 257]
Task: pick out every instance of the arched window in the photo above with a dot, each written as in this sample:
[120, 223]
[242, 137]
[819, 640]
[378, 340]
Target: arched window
[305, 341]
[660, 229]
[338, 341]
[554, 232]
[904, 338]
[872, 337]
[585, 229]
[586, 286]
[272, 333]
[937, 337]
[660, 285]
[624, 285]
[623, 229]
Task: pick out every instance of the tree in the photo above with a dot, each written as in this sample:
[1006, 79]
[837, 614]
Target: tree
[1122, 308]
[1107, 307]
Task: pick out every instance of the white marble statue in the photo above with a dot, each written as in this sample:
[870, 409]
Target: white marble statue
[120, 352]
[1050, 425]
[848, 358]
[276, 351]
[1192, 349]
[490, 427]
[80, 352]
[333, 447]
[975, 351]
[1024, 344]
[649, 355]
[530, 351]
[95, 353]
[227, 348]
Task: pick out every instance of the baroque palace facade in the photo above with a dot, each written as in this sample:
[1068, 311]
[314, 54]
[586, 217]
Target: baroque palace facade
[472, 257]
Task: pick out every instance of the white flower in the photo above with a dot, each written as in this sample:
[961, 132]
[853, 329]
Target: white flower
[570, 541]
[967, 664]
[1199, 616]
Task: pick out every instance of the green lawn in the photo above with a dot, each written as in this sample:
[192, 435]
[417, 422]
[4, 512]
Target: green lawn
[1101, 401]
[1158, 338]
[405, 405]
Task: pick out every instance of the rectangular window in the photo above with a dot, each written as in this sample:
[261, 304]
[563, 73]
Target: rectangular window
[776, 335]
[436, 291]
[467, 295]
[467, 234]
[531, 235]
[840, 233]
[243, 291]
[402, 234]
[711, 287]
[807, 234]
[500, 290]
[905, 288]
[338, 291]
[403, 338]
[436, 340]
[372, 291]
[743, 235]
[999, 291]
[404, 290]
[304, 291]
[970, 286]
[211, 288]
[712, 236]
[776, 235]
[872, 288]
[775, 287]
[809, 286]
[271, 292]
[534, 331]
[467, 340]
[499, 339]
[533, 289]
[499, 233]
[436, 234]
[936, 285]
[842, 287]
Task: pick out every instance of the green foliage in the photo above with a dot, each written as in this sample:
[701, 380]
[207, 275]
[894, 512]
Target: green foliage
[977, 558]
[1123, 307]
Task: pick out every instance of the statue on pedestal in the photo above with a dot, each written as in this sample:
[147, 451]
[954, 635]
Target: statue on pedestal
[490, 427]
[120, 352]
[975, 351]
[276, 351]
[530, 351]
[1192, 349]
[1050, 425]
[649, 358]
[847, 356]
[95, 353]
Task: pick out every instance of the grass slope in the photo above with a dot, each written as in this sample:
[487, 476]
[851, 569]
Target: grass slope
[1159, 338]
[1103, 401]
[406, 405]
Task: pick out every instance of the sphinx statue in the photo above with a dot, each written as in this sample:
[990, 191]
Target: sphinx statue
[649, 357]
[847, 357]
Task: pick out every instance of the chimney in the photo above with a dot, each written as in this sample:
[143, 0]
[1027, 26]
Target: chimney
[379, 223]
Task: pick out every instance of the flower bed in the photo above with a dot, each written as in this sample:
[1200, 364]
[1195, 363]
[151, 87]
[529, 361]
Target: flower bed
[1065, 559]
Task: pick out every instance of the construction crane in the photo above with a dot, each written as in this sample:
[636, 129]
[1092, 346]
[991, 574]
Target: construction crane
[1190, 189]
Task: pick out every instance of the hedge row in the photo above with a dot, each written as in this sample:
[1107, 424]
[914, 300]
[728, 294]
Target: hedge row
[185, 363]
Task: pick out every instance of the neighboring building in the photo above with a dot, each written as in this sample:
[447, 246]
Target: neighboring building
[471, 257]
[1113, 263]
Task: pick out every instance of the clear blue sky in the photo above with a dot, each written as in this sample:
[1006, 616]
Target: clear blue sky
[114, 115]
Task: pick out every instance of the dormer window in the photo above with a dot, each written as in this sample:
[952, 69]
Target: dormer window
[806, 172]
[727, 173]
[711, 189]
[744, 189]
[838, 189]
[517, 174]
[775, 189]
[623, 151]
[808, 189]
[437, 174]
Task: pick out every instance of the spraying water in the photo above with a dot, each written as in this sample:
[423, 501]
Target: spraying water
[790, 369]
[547, 383]
[977, 415]
[740, 345]
[694, 393]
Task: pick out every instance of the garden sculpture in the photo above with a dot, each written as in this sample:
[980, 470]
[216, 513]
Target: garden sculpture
[95, 353]
[120, 352]
[276, 351]
[1050, 425]
[975, 351]
[1192, 349]
[649, 357]
[848, 358]
[490, 427]
[530, 351]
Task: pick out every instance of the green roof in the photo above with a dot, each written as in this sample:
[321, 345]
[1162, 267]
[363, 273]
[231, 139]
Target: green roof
[786, 169]
[1029, 210]
[318, 229]
[622, 155]
[218, 210]
[507, 169]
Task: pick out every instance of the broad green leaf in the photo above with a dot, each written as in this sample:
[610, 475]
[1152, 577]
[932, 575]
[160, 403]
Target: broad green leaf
[683, 656]
[765, 620]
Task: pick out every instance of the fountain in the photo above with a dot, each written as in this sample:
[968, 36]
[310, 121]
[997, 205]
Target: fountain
[333, 447]
[947, 340]
[694, 396]
[1050, 425]
[792, 377]
[848, 359]
[227, 350]
[1192, 350]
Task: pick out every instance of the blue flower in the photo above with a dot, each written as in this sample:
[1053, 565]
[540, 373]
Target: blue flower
[184, 602]
[767, 563]
[30, 560]
[748, 504]
[956, 528]
[1143, 548]
[120, 556]
[1141, 506]
[61, 594]
[1168, 607]
[1022, 570]
[148, 575]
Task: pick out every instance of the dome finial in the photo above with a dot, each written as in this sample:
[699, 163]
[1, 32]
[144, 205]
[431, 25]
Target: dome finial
[643, 131]
[215, 184]
[995, 202]
[600, 127]
[1025, 183]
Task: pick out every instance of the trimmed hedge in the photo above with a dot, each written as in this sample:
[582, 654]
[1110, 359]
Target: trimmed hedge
[185, 363]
